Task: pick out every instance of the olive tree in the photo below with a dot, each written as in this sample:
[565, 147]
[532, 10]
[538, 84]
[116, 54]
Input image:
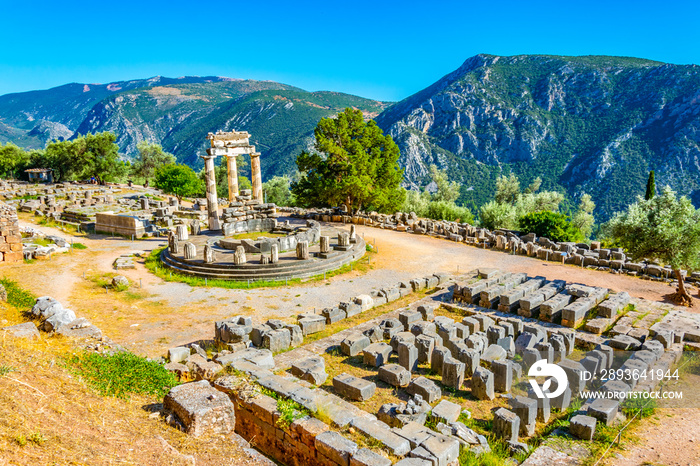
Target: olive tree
[664, 228]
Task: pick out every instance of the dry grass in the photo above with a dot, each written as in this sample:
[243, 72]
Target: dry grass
[50, 417]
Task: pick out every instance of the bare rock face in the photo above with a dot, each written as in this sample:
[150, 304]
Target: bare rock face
[201, 408]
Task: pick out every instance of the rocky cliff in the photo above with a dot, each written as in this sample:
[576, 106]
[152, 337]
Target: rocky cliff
[583, 124]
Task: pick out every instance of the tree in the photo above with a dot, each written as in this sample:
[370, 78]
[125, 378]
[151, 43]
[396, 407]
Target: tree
[354, 164]
[178, 180]
[151, 156]
[651, 186]
[583, 219]
[13, 159]
[447, 191]
[277, 191]
[507, 189]
[664, 228]
[92, 155]
[552, 225]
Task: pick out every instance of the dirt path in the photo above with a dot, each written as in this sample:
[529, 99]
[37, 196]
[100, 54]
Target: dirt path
[161, 314]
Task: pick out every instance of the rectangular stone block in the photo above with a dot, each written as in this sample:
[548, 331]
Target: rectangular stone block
[376, 354]
[353, 388]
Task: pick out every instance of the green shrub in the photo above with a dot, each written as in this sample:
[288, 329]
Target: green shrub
[16, 296]
[79, 246]
[552, 225]
[121, 374]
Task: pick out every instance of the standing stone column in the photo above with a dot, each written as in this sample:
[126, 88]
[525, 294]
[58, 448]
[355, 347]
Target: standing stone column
[274, 254]
[239, 256]
[353, 234]
[257, 177]
[232, 172]
[303, 250]
[208, 254]
[212, 201]
[325, 244]
[190, 251]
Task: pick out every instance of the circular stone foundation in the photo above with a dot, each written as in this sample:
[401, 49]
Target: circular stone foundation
[288, 265]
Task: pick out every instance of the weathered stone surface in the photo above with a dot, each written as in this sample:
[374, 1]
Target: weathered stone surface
[335, 447]
[446, 412]
[201, 408]
[25, 330]
[408, 317]
[506, 425]
[277, 340]
[311, 369]
[354, 344]
[625, 343]
[604, 410]
[402, 337]
[396, 444]
[310, 324]
[408, 356]
[353, 388]
[391, 327]
[583, 427]
[178, 354]
[494, 353]
[502, 375]
[426, 388]
[482, 384]
[374, 334]
[437, 358]
[452, 373]
[366, 457]
[376, 354]
[526, 409]
[425, 346]
[394, 375]
[201, 368]
[443, 450]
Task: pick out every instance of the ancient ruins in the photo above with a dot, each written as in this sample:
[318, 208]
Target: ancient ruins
[413, 373]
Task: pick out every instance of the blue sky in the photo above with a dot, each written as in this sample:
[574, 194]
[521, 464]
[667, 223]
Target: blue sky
[381, 50]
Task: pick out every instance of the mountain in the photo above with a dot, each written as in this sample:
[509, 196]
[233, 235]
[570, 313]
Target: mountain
[178, 113]
[591, 124]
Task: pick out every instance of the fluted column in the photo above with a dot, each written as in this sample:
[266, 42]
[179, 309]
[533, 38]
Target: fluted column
[212, 201]
[232, 171]
[257, 177]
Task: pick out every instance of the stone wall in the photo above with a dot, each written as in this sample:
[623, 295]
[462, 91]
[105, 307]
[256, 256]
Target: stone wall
[10, 237]
[592, 255]
[124, 225]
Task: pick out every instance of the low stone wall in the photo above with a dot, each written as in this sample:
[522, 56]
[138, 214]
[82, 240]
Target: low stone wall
[292, 445]
[124, 225]
[10, 237]
[581, 254]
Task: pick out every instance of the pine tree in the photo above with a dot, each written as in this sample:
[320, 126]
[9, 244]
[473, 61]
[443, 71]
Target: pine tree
[651, 186]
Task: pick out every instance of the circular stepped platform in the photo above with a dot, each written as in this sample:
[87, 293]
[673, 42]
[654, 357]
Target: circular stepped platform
[287, 267]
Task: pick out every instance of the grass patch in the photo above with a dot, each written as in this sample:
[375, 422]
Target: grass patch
[5, 369]
[67, 227]
[16, 296]
[79, 246]
[155, 266]
[631, 406]
[122, 374]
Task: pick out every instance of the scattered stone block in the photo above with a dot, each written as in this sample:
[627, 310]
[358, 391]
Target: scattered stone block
[394, 375]
[311, 369]
[425, 346]
[502, 376]
[582, 427]
[333, 315]
[408, 317]
[625, 343]
[437, 358]
[604, 410]
[277, 340]
[201, 408]
[427, 312]
[374, 334]
[354, 344]
[25, 330]
[402, 337]
[391, 327]
[482, 384]
[376, 354]
[446, 412]
[353, 388]
[408, 356]
[311, 324]
[506, 425]
[452, 373]
[526, 409]
[178, 354]
[426, 388]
